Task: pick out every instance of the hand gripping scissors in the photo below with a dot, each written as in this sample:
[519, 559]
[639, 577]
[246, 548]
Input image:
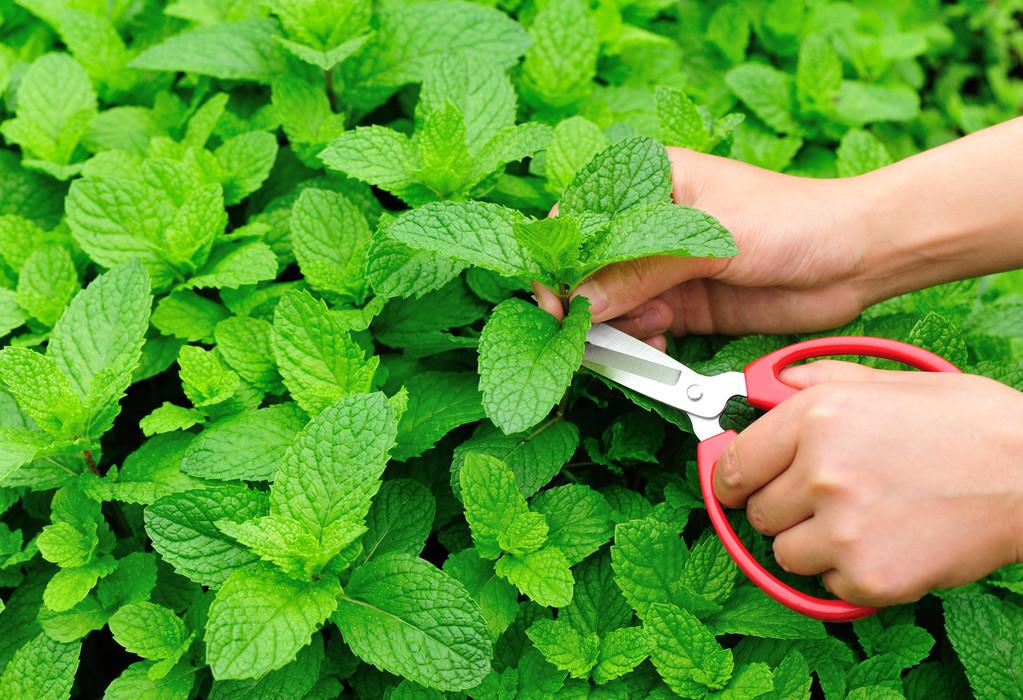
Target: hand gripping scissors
[640, 367]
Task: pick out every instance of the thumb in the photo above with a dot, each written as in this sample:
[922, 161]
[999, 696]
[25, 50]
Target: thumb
[823, 371]
[619, 288]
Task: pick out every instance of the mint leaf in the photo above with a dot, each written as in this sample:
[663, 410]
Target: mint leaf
[329, 475]
[579, 519]
[149, 630]
[684, 651]
[47, 282]
[260, 620]
[564, 647]
[576, 140]
[621, 651]
[527, 360]
[316, 355]
[860, 152]
[561, 61]
[648, 558]
[544, 576]
[438, 403]
[399, 520]
[768, 92]
[492, 501]
[330, 237]
[42, 669]
[188, 316]
[477, 233]
[245, 344]
[498, 599]
[405, 616]
[623, 175]
[232, 51]
[749, 611]
[818, 74]
[55, 104]
[534, 456]
[981, 629]
[248, 446]
[183, 531]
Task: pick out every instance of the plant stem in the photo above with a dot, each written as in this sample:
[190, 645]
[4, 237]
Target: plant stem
[90, 462]
[328, 79]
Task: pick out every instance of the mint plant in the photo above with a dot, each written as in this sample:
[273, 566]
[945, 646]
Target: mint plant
[278, 418]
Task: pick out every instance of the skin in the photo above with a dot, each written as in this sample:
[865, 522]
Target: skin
[889, 484]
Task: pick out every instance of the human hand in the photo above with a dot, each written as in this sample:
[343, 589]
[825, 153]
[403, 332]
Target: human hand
[888, 483]
[802, 250]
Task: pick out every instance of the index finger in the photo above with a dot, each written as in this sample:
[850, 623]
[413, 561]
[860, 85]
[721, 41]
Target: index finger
[759, 454]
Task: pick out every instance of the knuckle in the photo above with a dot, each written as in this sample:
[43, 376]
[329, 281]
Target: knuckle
[730, 467]
[828, 478]
[757, 516]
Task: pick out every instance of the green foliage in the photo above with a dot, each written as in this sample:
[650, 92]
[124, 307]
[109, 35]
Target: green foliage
[278, 419]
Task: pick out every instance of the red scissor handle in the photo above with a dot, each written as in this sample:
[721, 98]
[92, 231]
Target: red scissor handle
[765, 391]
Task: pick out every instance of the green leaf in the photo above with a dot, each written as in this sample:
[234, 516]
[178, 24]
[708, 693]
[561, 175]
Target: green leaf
[152, 471]
[861, 103]
[564, 647]
[409, 39]
[328, 477]
[792, 679]
[684, 651]
[576, 140]
[941, 336]
[750, 612]
[729, 30]
[330, 238]
[294, 680]
[483, 94]
[43, 391]
[648, 557]
[659, 229]
[68, 587]
[246, 160]
[188, 316]
[438, 403]
[149, 630]
[167, 418]
[492, 501]
[561, 61]
[621, 651]
[11, 314]
[46, 283]
[579, 519]
[205, 378]
[260, 620]
[554, 244]
[232, 51]
[597, 605]
[395, 270]
[476, 233]
[74, 624]
[860, 152]
[399, 520]
[544, 576]
[818, 73]
[182, 528]
[682, 124]
[498, 599]
[55, 103]
[304, 110]
[234, 264]
[985, 636]
[290, 544]
[378, 156]
[768, 92]
[527, 360]
[750, 681]
[316, 355]
[248, 446]
[710, 571]
[42, 669]
[534, 456]
[244, 343]
[625, 174]
[404, 616]
[136, 682]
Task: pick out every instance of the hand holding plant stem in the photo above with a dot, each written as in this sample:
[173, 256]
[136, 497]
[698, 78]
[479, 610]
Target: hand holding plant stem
[838, 473]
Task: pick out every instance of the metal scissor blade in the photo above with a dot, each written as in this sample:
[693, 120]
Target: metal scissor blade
[640, 367]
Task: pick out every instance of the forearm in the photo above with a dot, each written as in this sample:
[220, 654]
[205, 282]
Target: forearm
[952, 212]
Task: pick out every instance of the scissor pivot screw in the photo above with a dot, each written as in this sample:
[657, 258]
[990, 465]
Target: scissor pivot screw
[694, 392]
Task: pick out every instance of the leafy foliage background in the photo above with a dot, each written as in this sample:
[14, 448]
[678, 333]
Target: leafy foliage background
[243, 448]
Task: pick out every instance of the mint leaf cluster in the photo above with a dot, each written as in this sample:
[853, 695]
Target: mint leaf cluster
[278, 418]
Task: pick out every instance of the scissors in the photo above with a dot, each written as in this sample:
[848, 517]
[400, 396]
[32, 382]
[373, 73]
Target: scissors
[640, 367]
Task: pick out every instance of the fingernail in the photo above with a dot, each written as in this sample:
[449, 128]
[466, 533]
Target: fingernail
[593, 292]
[652, 321]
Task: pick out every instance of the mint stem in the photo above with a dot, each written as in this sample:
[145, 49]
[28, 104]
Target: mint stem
[90, 462]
